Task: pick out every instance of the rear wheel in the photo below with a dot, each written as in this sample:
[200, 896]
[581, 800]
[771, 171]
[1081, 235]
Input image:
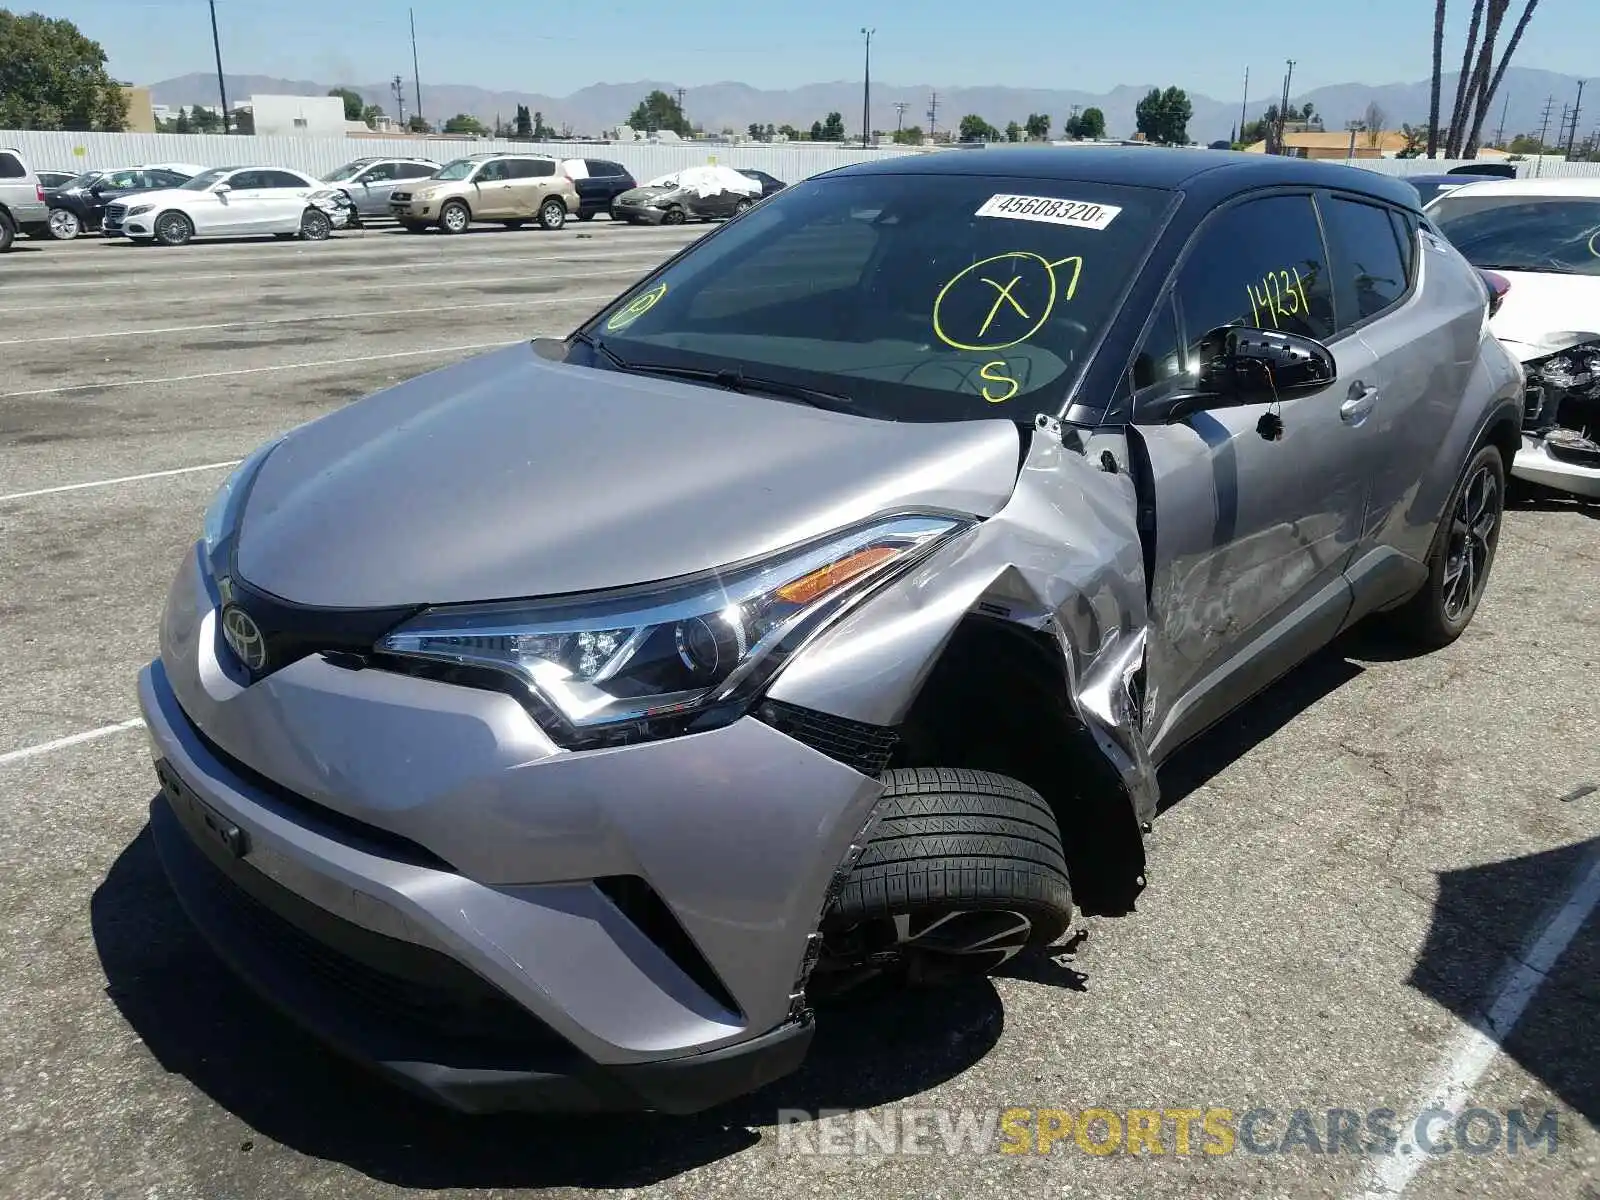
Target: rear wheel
[173, 229]
[742, 206]
[1463, 553]
[963, 871]
[674, 216]
[586, 216]
[315, 225]
[8, 232]
[552, 214]
[64, 224]
[454, 217]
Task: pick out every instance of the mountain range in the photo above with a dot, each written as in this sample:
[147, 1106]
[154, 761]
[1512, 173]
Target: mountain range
[1522, 97]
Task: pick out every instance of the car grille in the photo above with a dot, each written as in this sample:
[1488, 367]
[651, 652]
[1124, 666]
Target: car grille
[115, 213]
[867, 748]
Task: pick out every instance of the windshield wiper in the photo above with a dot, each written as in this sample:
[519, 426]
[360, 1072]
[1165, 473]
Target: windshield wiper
[733, 379]
[1548, 267]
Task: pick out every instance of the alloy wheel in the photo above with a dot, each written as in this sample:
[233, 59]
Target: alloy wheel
[929, 944]
[1474, 526]
[64, 225]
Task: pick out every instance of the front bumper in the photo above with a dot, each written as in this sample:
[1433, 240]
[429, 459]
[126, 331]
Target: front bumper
[639, 213]
[1537, 463]
[413, 210]
[440, 825]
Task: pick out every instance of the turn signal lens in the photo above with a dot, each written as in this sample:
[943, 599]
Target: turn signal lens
[819, 583]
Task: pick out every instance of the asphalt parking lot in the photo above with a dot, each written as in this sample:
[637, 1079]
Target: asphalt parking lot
[1352, 870]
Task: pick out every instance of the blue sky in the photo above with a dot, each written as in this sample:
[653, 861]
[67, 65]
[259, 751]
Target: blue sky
[1203, 45]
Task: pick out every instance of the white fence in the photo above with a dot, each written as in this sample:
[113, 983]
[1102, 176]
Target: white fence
[318, 155]
[789, 161]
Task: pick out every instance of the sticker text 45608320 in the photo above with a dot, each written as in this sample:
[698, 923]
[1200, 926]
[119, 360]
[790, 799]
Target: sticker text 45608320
[1051, 209]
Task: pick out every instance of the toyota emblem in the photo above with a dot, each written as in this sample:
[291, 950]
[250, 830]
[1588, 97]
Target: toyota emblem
[244, 637]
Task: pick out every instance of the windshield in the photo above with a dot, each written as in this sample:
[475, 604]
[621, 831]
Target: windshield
[348, 171]
[917, 297]
[459, 169]
[206, 178]
[81, 181]
[1554, 234]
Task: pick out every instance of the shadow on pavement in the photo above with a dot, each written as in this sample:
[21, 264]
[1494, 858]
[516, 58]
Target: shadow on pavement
[1489, 914]
[199, 1022]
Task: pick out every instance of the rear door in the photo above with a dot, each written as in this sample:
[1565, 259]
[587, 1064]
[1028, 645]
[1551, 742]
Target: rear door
[1251, 533]
[1425, 341]
[284, 196]
[532, 179]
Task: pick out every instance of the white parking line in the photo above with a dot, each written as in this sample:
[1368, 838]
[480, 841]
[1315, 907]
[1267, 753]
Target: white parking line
[300, 366]
[11, 756]
[1475, 1049]
[94, 483]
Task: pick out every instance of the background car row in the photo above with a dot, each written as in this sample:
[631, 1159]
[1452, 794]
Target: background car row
[163, 202]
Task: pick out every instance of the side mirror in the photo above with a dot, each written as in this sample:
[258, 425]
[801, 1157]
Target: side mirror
[223, 189]
[1238, 365]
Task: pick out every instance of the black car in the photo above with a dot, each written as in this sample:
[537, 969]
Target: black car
[80, 206]
[769, 184]
[50, 180]
[599, 181]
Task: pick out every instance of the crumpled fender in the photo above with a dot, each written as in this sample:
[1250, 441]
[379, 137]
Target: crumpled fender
[1062, 557]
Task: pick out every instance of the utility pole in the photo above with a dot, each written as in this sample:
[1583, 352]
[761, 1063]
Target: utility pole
[216, 45]
[398, 87]
[900, 107]
[416, 75]
[866, 91]
[1283, 111]
[1244, 104]
[1577, 108]
[933, 114]
[1500, 133]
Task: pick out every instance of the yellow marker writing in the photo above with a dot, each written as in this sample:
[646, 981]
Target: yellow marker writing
[993, 372]
[636, 308]
[1032, 276]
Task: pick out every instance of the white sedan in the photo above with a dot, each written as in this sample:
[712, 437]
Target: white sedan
[225, 202]
[1538, 243]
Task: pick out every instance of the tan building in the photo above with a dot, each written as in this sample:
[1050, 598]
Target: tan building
[141, 116]
[1336, 145]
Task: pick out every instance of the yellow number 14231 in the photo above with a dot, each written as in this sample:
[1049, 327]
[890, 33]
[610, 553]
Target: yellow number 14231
[1279, 294]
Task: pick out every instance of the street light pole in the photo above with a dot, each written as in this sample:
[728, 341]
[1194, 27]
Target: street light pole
[866, 91]
[216, 45]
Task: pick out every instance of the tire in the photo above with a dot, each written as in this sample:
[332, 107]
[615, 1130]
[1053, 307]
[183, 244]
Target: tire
[454, 217]
[741, 207]
[963, 871]
[513, 224]
[586, 216]
[414, 226]
[8, 231]
[173, 229]
[315, 225]
[64, 224]
[552, 215]
[675, 216]
[1440, 612]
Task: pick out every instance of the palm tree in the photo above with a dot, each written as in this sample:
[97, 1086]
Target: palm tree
[1467, 147]
[1438, 76]
[1500, 71]
[1463, 84]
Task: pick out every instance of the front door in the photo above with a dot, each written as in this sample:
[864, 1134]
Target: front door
[495, 193]
[1251, 532]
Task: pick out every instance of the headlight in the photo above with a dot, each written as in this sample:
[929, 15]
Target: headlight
[139, 208]
[222, 514]
[1574, 372]
[614, 667]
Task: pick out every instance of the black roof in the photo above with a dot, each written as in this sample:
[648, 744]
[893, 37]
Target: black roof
[1222, 172]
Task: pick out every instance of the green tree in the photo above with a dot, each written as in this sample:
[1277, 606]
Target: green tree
[1092, 123]
[833, 128]
[464, 123]
[1013, 132]
[524, 122]
[354, 106]
[371, 115]
[244, 122]
[52, 77]
[1163, 116]
[974, 128]
[204, 120]
[754, 130]
[417, 125]
[910, 136]
[790, 132]
[180, 123]
[659, 111]
[1037, 126]
[770, 132]
[816, 131]
[541, 131]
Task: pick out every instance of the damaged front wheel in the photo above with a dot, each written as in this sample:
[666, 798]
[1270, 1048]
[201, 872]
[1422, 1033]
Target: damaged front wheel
[963, 871]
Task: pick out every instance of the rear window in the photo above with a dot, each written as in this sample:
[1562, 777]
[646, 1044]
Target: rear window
[11, 167]
[1369, 272]
[918, 298]
[1557, 235]
[531, 168]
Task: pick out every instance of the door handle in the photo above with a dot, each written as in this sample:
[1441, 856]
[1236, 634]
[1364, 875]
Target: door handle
[1358, 404]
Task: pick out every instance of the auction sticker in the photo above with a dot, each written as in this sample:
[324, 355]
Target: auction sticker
[1050, 209]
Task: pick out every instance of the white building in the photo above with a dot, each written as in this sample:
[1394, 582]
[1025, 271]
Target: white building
[298, 116]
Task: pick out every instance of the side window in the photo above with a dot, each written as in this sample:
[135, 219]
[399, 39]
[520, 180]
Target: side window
[382, 173]
[1260, 264]
[414, 171]
[1368, 269]
[167, 179]
[1160, 359]
[245, 180]
[282, 179]
[605, 170]
[535, 168]
[1405, 228]
[492, 172]
[11, 167]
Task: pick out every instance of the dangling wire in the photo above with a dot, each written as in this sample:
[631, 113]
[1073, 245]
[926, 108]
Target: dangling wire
[1270, 426]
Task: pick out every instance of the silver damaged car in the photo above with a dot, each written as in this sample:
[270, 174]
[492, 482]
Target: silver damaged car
[555, 729]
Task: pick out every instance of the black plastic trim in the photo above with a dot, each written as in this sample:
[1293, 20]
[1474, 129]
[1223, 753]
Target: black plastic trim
[856, 744]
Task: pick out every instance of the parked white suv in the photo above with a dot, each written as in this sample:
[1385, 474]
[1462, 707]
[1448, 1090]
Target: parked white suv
[225, 202]
[22, 204]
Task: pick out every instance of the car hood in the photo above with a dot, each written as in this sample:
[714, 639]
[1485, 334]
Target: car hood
[646, 193]
[510, 476]
[1540, 306]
